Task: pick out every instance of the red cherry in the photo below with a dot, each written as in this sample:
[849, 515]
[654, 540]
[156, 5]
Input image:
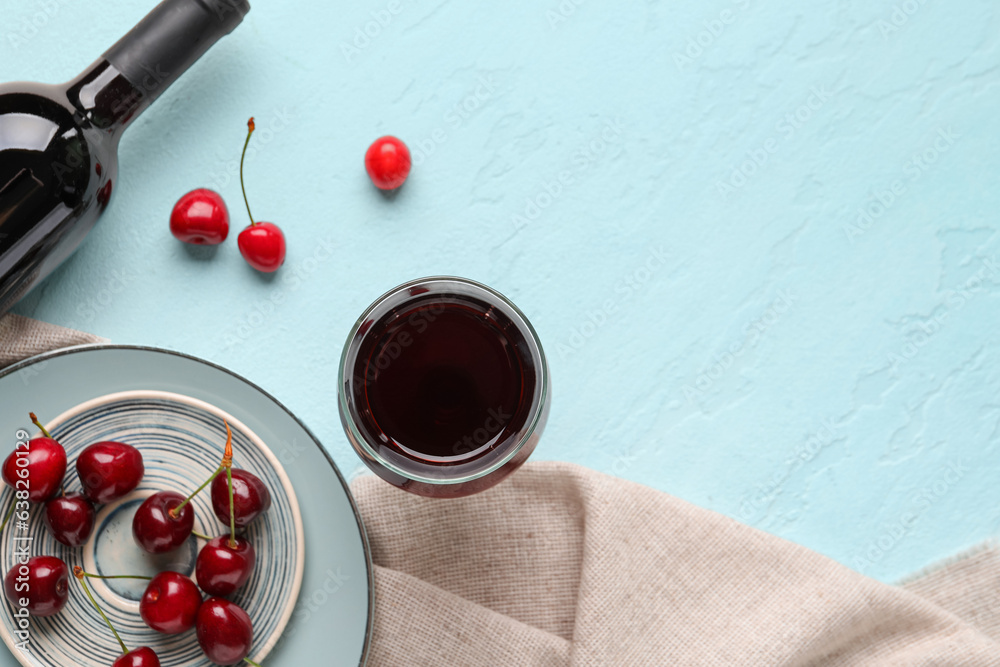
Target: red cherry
[46, 466]
[250, 497]
[225, 632]
[170, 603]
[388, 163]
[140, 657]
[262, 245]
[154, 526]
[200, 217]
[70, 519]
[43, 581]
[109, 470]
[221, 569]
[38, 468]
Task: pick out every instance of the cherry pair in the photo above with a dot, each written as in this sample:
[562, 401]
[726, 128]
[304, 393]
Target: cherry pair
[165, 520]
[201, 218]
[172, 605]
[107, 471]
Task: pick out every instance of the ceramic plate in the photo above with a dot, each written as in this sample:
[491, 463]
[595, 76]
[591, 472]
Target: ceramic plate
[181, 440]
[169, 406]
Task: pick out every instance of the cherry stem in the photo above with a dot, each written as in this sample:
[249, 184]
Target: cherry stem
[10, 513]
[251, 127]
[174, 513]
[113, 576]
[232, 510]
[248, 660]
[80, 574]
[227, 462]
[34, 420]
[200, 536]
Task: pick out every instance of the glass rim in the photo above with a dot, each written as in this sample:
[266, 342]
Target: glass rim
[539, 400]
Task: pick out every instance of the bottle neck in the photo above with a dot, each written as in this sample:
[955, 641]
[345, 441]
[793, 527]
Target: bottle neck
[155, 53]
[107, 99]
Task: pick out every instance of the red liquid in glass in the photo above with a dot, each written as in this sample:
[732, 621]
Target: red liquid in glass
[443, 382]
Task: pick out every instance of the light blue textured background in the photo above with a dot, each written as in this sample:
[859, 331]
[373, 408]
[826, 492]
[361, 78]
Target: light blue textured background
[688, 176]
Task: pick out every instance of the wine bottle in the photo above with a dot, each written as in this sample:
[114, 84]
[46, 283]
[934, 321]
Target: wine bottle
[59, 143]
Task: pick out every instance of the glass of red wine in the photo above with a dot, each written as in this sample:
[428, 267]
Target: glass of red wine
[444, 388]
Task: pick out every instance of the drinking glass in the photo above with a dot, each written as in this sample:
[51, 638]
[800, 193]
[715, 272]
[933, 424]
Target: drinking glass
[443, 387]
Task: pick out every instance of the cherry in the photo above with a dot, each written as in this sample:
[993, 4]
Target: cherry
[163, 522]
[39, 468]
[262, 244]
[225, 563]
[200, 217]
[225, 632]
[70, 519]
[388, 163]
[109, 470]
[250, 497]
[140, 657]
[42, 583]
[170, 603]
[222, 568]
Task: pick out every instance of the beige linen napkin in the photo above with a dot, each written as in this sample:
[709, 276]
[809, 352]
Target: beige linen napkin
[563, 566]
[21, 337]
[560, 565]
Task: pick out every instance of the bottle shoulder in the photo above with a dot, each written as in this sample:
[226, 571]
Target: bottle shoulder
[40, 131]
[32, 112]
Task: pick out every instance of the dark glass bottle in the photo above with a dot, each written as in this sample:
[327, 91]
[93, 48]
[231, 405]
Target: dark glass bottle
[59, 143]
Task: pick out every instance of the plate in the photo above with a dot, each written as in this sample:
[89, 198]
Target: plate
[181, 440]
[333, 614]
